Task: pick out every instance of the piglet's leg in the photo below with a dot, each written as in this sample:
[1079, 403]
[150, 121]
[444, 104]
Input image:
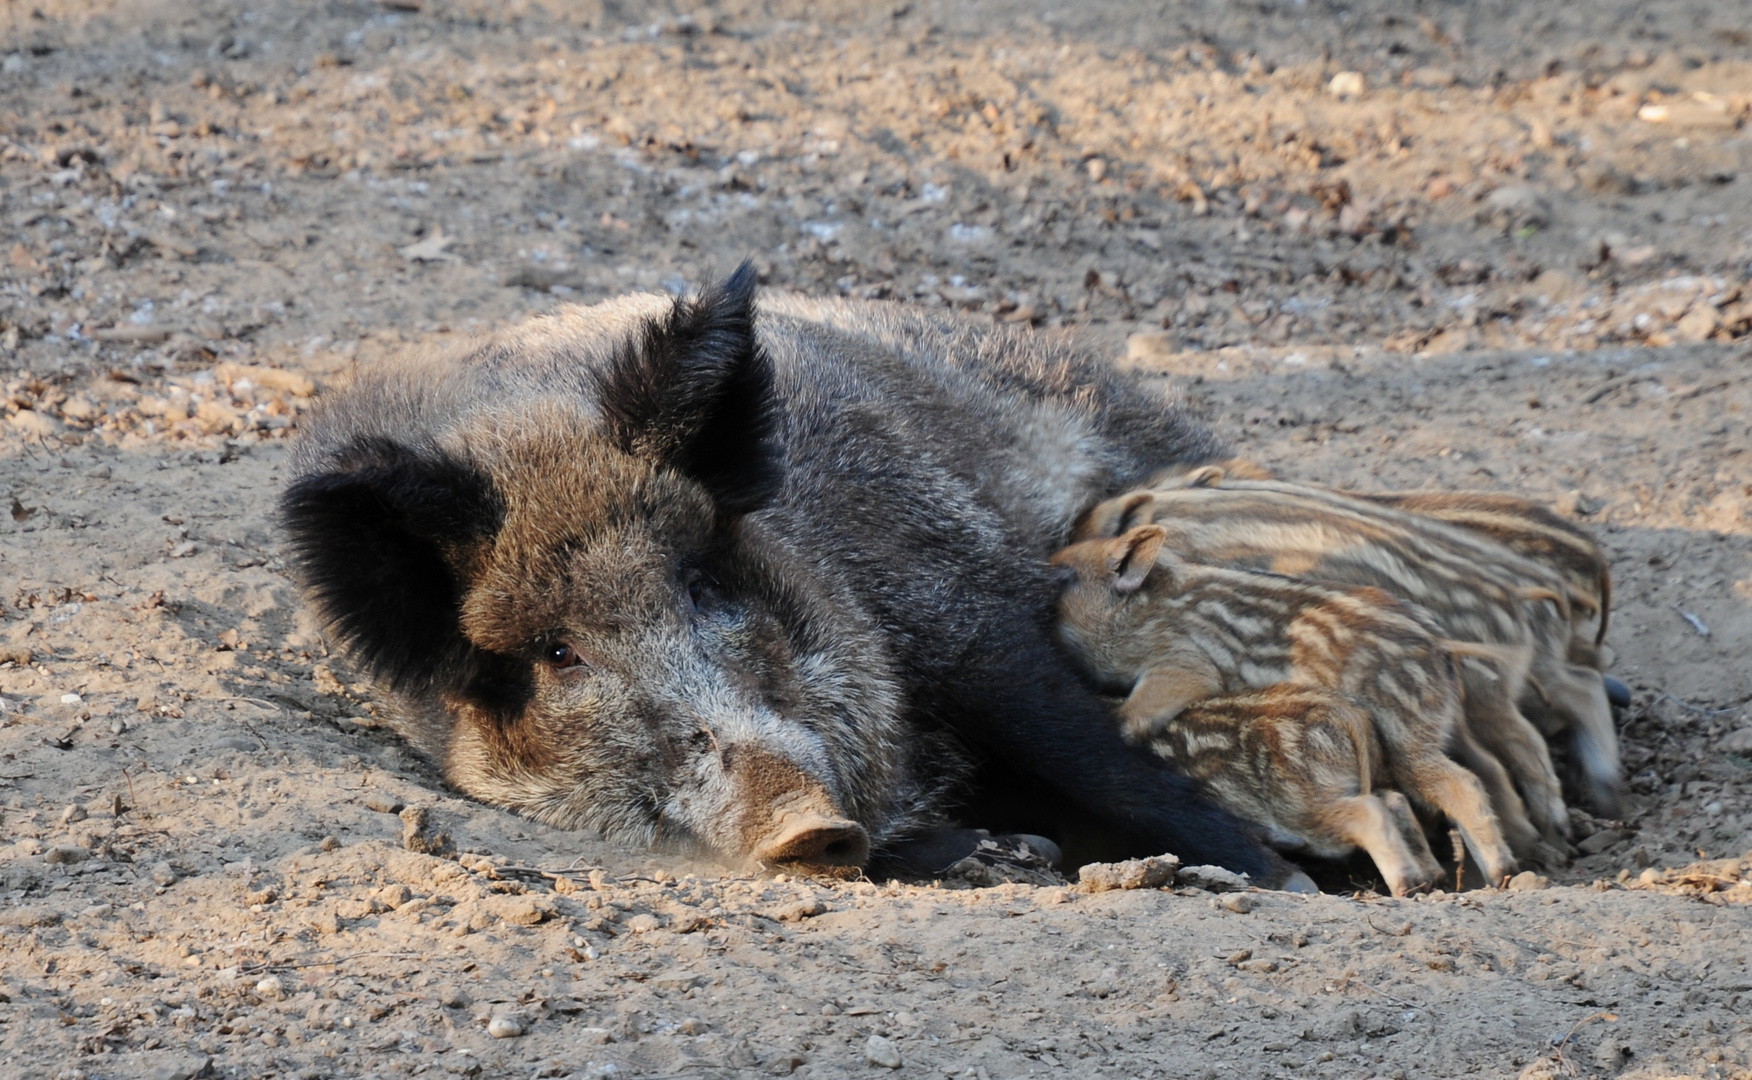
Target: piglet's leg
[1411, 831]
[1510, 811]
[1365, 821]
[1163, 693]
[1497, 724]
[1458, 794]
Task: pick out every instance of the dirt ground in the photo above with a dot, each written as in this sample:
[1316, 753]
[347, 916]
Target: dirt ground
[1496, 245]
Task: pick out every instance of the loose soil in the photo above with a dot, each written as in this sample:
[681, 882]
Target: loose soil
[1495, 246]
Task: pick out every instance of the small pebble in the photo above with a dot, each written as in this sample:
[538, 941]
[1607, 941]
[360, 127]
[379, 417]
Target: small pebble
[881, 1052]
[797, 912]
[677, 980]
[504, 1027]
[1346, 84]
[1239, 903]
[73, 813]
[1527, 881]
[1211, 878]
[163, 875]
[384, 804]
[270, 987]
[1599, 841]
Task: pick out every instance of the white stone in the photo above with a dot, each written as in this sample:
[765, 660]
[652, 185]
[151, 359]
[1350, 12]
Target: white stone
[1346, 84]
[504, 1027]
[881, 1052]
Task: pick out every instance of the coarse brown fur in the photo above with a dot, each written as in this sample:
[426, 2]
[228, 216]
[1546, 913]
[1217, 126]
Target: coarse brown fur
[1531, 530]
[1304, 762]
[1169, 633]
[1478, 591]
[1522, 525]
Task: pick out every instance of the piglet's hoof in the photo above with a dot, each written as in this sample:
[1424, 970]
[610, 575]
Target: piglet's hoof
[1616, 692]
[1299, 882]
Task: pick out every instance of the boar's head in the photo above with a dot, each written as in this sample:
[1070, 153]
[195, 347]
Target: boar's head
[562, 578]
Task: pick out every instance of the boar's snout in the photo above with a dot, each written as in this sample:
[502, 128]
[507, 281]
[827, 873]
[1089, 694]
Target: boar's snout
[788, 815]
[815, 840]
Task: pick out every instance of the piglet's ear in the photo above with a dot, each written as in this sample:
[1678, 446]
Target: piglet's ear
[1205, 476]
[380, 540]
[1131, 557]
[694, 390]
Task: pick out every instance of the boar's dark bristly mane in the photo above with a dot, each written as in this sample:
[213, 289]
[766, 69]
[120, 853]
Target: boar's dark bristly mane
[694, 389]
[377, 542]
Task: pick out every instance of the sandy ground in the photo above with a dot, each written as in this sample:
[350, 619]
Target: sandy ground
[1498, 246]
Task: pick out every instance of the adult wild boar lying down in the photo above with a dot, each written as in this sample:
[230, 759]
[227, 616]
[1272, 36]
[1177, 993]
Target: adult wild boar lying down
[766, 578]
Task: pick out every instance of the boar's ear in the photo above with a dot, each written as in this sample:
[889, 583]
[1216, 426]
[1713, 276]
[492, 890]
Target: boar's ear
[694, 389]
[379, 542]
[1131, 557]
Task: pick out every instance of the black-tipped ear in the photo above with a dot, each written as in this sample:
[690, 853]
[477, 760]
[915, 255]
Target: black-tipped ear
[695, 390]
[380, 542]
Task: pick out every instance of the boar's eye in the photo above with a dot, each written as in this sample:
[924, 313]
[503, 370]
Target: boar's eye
[560, 656]
[701, 590]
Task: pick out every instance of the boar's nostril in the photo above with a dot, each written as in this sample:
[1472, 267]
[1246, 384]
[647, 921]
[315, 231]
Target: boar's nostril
[814, 840]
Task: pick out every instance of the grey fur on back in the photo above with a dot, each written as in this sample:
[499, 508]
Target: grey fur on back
[931, 371]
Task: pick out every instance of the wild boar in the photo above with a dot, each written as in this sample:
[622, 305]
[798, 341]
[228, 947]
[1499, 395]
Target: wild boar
[1304, 762]
[1533, 531]
[1478, 591]
[1169, 634]
[1525, 527]
[763, 578]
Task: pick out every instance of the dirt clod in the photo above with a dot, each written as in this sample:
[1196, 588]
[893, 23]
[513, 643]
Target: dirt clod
[1150, 873]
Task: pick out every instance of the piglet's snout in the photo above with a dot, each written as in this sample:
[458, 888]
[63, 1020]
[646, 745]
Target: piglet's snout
[788, 817]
